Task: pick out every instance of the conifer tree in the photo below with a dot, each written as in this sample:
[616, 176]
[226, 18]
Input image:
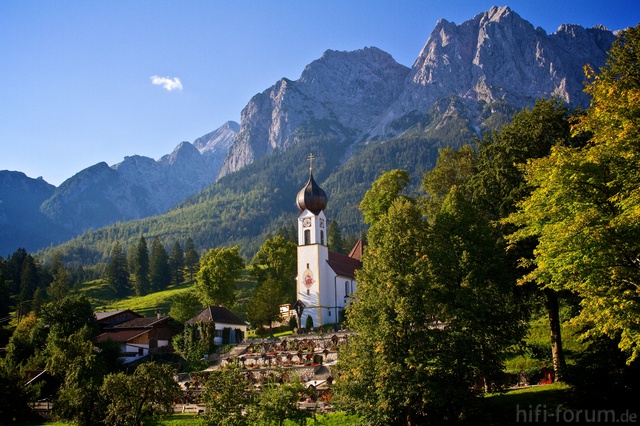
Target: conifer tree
[176, 263]
[159, 273]
[142, 267]
[117, 272]
[191, 258]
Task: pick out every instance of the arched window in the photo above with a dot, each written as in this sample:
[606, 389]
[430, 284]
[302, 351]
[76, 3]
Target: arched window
[346, 288]
[322, 237]
[307, 237]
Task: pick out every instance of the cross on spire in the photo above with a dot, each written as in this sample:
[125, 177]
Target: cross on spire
[311, 157]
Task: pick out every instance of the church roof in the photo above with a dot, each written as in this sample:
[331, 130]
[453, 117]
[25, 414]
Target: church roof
[343, 265]
[216, 314]
[311, 197]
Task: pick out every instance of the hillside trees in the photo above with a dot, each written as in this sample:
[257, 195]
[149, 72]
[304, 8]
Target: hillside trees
[276, 261]
[585, 207]
[216, 279]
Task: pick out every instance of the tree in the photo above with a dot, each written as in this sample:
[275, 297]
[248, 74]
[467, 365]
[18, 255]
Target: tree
[216, 279]
[279, 402]
[335, 237]
[500, 184]
[74, 360]
[585, 207]
[191, 258]
[60, 286]
[29, 282]
[176, 264]
[432, 314]
[69, 315]
[117, 273]
[159, 273]
[383, 192]
[150, 390]
[276, 262]
[227, 396]
[264, 306]
[142, 284]
[184, 306]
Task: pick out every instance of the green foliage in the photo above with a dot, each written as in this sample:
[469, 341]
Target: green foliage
[264, 307]
[176, 263]
[191, 258]
[159, 270]
[276, 262]
[184, 306]
[68, 315]
[117, 272]
[585, 207]
[383, 192]
[433, 315]
[196, 340]
[226, 396]
[150, 390]
[141, 270]
[308, 324]
[278, 403]
[216, 279]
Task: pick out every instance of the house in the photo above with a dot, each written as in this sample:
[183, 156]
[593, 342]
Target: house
[140, 336]
[111, 318]
[228, 327]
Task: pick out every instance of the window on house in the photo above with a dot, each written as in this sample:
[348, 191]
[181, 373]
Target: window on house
[307, 237]
[346, 288]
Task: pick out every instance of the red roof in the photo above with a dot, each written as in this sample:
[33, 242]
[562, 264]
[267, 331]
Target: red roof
[357, 250]
[342, 265]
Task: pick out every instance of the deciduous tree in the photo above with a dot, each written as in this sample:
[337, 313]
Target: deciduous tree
[216, 279]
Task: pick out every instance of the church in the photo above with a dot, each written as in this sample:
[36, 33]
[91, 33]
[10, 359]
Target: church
[325, 280]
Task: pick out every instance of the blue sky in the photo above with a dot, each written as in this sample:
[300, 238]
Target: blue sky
[77, 77]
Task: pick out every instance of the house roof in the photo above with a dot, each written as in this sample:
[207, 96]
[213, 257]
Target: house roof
[342, 265]
[120, 336]
[100, 316]
[357, 250]
[216, 314]
[141, 323]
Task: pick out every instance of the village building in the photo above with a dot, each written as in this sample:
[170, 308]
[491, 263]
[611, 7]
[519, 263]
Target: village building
[228, 327]
[325, 280]
[137, 336]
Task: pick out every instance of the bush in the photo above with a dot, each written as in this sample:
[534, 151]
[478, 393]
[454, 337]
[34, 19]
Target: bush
[308, 323]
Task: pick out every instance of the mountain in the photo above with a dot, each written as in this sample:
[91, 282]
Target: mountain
[496, 61]
[360, 113]
[139, 186]
[341, 93]
[35, 214]
[21, 222]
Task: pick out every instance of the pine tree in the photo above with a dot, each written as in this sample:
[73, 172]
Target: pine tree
[159, 273]
[117, 272]
[191, 259]
[142, 267]
[336, 244]
[176, 264]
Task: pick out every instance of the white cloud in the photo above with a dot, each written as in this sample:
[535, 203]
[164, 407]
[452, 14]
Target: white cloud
[166, 82]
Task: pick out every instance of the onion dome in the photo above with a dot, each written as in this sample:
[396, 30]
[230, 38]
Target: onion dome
[311, 197]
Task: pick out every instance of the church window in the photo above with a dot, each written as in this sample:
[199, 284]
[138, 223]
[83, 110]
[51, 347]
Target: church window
[346, 288]
[322, 237]
[307, 237]
[329, 312]
[307, 266]
[307, 292]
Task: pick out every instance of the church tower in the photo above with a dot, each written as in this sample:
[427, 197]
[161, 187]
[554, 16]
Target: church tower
[313, 252]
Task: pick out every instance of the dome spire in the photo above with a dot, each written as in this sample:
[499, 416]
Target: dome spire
[311, 197]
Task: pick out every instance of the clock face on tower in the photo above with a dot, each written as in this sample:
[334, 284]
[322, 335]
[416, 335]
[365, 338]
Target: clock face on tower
[321, 223]
[306, 222]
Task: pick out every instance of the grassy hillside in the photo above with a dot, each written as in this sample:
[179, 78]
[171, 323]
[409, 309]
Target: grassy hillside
[101, 297]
